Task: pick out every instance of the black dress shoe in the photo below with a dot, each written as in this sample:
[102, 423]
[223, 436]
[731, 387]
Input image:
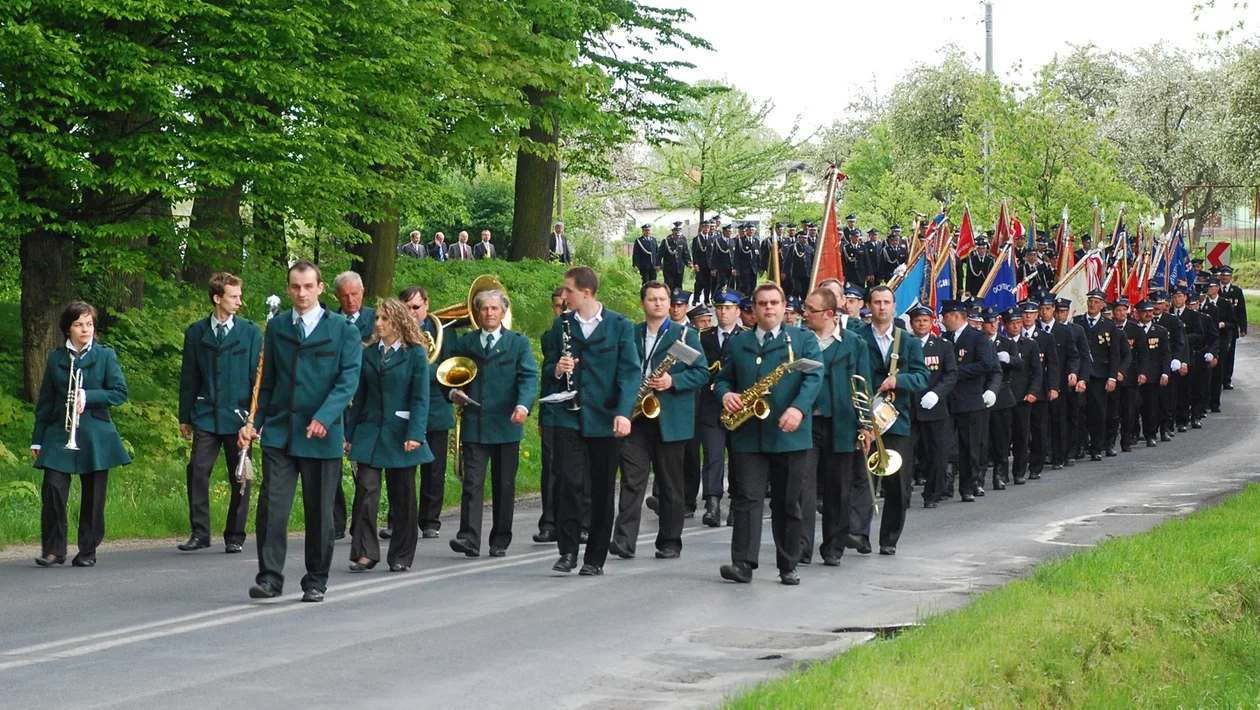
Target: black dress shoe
[790, 578]
[82, 560]
[979, 492]
[861, 543]
[1034, 476]
[386, 533]
[398, 568]
[1216, 410]
[584, 538]
[653, 504]
[357, 566]
[193, 545]
[1163, 436]
[566, 564]
[1181, 428]
[1019, 481]
[689, 513]
[712, 512]
[465, 547]
[312, 595]
[887, 550]
[1110, 453]
[805, 561]
[833, 561]
[617, 548]
[1124, 449]
[1069, 463]
[1196, 425]
[1150, 443]
[739, 572]
[590, 570]
[1227, 387]
[50, 560]
[429, 534]
[1095, 457]
[667, 554]
[968, 498]
[929, 504]
[339, 536]
[232, 548]
[498, 551]
[998, 485]
[264, 590]
[1056, 467]
[544, 536]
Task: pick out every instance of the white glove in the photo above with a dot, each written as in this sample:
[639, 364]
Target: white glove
[1004, 357]
[1174, 365]
[989, 398]
[1207, 357]
[929, 400]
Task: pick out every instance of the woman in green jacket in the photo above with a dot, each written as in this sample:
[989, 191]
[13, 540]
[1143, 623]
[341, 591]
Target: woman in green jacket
[83, 442]
[385, 429]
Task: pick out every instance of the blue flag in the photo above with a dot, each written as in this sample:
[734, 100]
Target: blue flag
[944, 288]
[911, 287]
[1001, 295]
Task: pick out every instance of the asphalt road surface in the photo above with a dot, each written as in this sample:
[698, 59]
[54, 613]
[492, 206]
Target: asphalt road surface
[153, 627]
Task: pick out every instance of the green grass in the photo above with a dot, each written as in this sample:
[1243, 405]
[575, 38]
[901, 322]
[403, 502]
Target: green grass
[1168, 618]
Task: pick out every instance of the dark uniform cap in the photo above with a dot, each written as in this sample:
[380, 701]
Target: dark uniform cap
[951, 306]
[1159, 297]
[794, 305]
[1213, 281]
[645, 226]
[1011, 314]
[779, 225]
[1029, 307]
[726, 228]
[728, 297]
[854, 292]
[680, 296]
[1063, 304]
[872, 231]
[746, 305]
[1097, 294]
[699, 311]
[1196, 260]
[919, 311]
[1178, 288]
[1122, 301]
[989, 315]
[1225, 270]
[1046, 300]
[865, 313]
[975, 313]
[982, 243]
[1145, 305]
[894, 227]
[851, 218]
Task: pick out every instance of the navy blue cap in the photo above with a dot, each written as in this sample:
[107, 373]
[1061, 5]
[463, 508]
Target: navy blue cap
[1145, 305]
[895, 226]
[746, 304]
[851, 217]
[982, 242]
[1063, 304]
[1046, 300]
[699, 311]
[728, 297]
[854, 292]
[1121, 301]
[865, 313]
[1225, 270]
[680, 296]
[1011, 314]
[951, 306]
[872, 231]
[1178, 289]
[778, 225]
[1159, 297]
[794, 305]
[1028, 307]
[1196, 260]
[989, 315]
[1213, 281]
[645, 226]
[1096, 293]
[919, 311]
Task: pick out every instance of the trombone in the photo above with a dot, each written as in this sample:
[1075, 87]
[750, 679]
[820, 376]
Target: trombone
[72, 405]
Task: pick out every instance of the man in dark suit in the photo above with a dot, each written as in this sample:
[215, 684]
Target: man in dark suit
[873, 250]
[714, 439]
[800, 264]
[348, 288]
[1073, 436]
[484, 249]
[215, 385]
[1106, 361]
[675, 258]
[976, 267]
[645, 255]
[1122, 406]
[747, 258]
[853, 254]
[461, 250]
[437, 249]
[700, 254]
[1027, 388]
[1232, 293]
[302, 429]
[1178, 364]
[930, 420]
[1035, 272]
[1201, 340]
[1221, 311]
[1152, 373]
[1001, 412]
[1048, 413]
[722, 260]
[413, 248]
[970, 399]
[558, 245]
[1087, 243]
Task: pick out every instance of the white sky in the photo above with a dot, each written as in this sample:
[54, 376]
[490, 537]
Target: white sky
[771, 49]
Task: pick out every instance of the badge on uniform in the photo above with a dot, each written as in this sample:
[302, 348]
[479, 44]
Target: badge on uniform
[758, 360]
[1154, 344]
[962, 353]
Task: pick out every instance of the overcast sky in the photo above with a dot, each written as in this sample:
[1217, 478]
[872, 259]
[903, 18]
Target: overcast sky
[772, 49]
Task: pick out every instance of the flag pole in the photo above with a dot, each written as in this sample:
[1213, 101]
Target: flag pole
[1075, 269]
[997, 266]
[828, 208]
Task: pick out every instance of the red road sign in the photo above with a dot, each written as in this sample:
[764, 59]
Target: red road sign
[1217, 253]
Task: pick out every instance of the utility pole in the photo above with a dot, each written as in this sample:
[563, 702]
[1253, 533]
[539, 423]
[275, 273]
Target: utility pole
[988, 75]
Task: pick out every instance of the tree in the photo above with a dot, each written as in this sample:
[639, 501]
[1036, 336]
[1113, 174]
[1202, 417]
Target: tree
[1088, 77]
[878, 190]
[722, 157]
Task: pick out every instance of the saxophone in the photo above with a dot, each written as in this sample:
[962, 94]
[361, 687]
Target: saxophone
[647, 404]
[753, 400]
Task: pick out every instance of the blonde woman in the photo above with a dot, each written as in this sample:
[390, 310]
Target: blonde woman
[386, 431]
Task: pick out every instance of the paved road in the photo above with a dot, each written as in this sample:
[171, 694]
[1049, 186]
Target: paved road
[151, 627]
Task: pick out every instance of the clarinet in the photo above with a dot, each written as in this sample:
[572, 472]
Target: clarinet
[566, 351]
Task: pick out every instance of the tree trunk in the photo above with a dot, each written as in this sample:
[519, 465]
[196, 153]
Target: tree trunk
[375, 257]
[536, 168]
[48, 284]
[216, 239]
[267, 246]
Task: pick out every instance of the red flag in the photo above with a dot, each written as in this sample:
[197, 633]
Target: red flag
[828, 264]
[1002, 234]
[966, 235]
[1017, 227]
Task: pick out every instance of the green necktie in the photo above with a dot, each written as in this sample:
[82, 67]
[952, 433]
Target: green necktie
[219, 330]
[301, 324]
[489, 342]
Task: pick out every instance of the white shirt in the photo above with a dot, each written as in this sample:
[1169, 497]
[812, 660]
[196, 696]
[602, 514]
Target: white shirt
[589, 326]
[1047, 326]
[884, 340]
[1029, 332]
[825, 341]
[958, 332]
[924, 339]
[227, 325]
[724, 336]
[80, 353]
[485, 335]
[761, 334]
[353, 317]
[397, 344]
[310, 319]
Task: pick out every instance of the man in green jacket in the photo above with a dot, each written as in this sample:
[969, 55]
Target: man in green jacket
[659, 443]
[504, 390]
[311, 370]
[775, 448]
[215, 386]
[604, 364]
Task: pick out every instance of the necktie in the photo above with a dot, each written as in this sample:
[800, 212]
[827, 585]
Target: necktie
[489, 342]
[441, 253]
[721, 340]
[219, 330]
[301, 324]
[1046, 328]
[385, 355]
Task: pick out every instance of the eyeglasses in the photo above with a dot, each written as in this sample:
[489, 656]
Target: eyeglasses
[810, 311]
[416, 308]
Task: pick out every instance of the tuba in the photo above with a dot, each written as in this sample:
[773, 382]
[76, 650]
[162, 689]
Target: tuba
[456, 372]
[881, 462]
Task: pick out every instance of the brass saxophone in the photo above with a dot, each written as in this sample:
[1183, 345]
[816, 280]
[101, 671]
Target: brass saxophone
[647, 404]
[753, 399]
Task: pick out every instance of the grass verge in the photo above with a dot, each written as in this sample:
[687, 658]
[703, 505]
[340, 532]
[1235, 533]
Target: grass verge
[1167, 618]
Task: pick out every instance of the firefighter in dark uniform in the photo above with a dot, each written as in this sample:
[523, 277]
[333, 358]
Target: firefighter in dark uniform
[853, 254]
[722, 260]
[893, 254]
[872, 249]
[675, 258]
[1106, 361]
[1027, 388]
[1036, 273]
[1178, 364]
[1232, 293]
[1001, 412]
[1152, 374]
[1054, 350]
[1221, 311]
[1122, 406]
[646, 255]
[976, 267]
[800, 263]
[1201, 340]
[747, 258]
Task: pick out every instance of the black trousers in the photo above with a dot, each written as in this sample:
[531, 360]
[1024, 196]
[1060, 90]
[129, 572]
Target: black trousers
[1000, 439]
[897, 489]
[320, 479]
[715, 440]
[861, 500]
[1200, 389]
[367, 506]
[1080, 433]
[648, 274]
[800, 287]
[829, 476]
[1152, 410]
[1021, 417]
[1122, 411]
[691, 472]
[1061, 418]
[205, 453]
[931, 449]
[672, 280]
[433, 481]
[547, 521]
[1038, 436]
[722, 279]
[503, 461]
[1216, 376]
[1229, 347]
[1096, 404]
[785, 473]
[339, 516]
[641, 451]
[55, 495]
[704, 292]
[971, 430]
[583, 459]
[1168, 402]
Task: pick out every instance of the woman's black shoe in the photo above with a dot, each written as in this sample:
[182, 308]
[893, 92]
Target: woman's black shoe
[357, 566]
[82, 560]
[50, 560]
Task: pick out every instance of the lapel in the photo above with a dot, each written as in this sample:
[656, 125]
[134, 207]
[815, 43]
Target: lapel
[395, 360]
[575, 328]
[208, 339]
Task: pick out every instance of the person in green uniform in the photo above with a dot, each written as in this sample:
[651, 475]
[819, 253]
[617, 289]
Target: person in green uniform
[385, 431]
[504, 390]
[659, 444]
[81, 442]
[774, 449]
[549, 416]
[348, 288]
[441, 419]
[215, 384]
[604, 365]
[311, 368]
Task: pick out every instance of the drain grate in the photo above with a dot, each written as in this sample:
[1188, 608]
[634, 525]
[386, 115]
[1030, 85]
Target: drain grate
[882, 632]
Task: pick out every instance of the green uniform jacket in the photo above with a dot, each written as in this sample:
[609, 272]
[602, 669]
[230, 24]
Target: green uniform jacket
[441, 411]
[749, 362]
[553, 414]
[847, 356]
[100, 447]
[507, 378]
[607, 376]
[912, 375]
[366, 322]
[304, 380]
[217, 379]
[374, 427]
[678, 403]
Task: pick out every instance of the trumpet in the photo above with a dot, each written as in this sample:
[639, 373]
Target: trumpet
[72, 405]
[456, 372]
[881, 462]
[647, 403]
